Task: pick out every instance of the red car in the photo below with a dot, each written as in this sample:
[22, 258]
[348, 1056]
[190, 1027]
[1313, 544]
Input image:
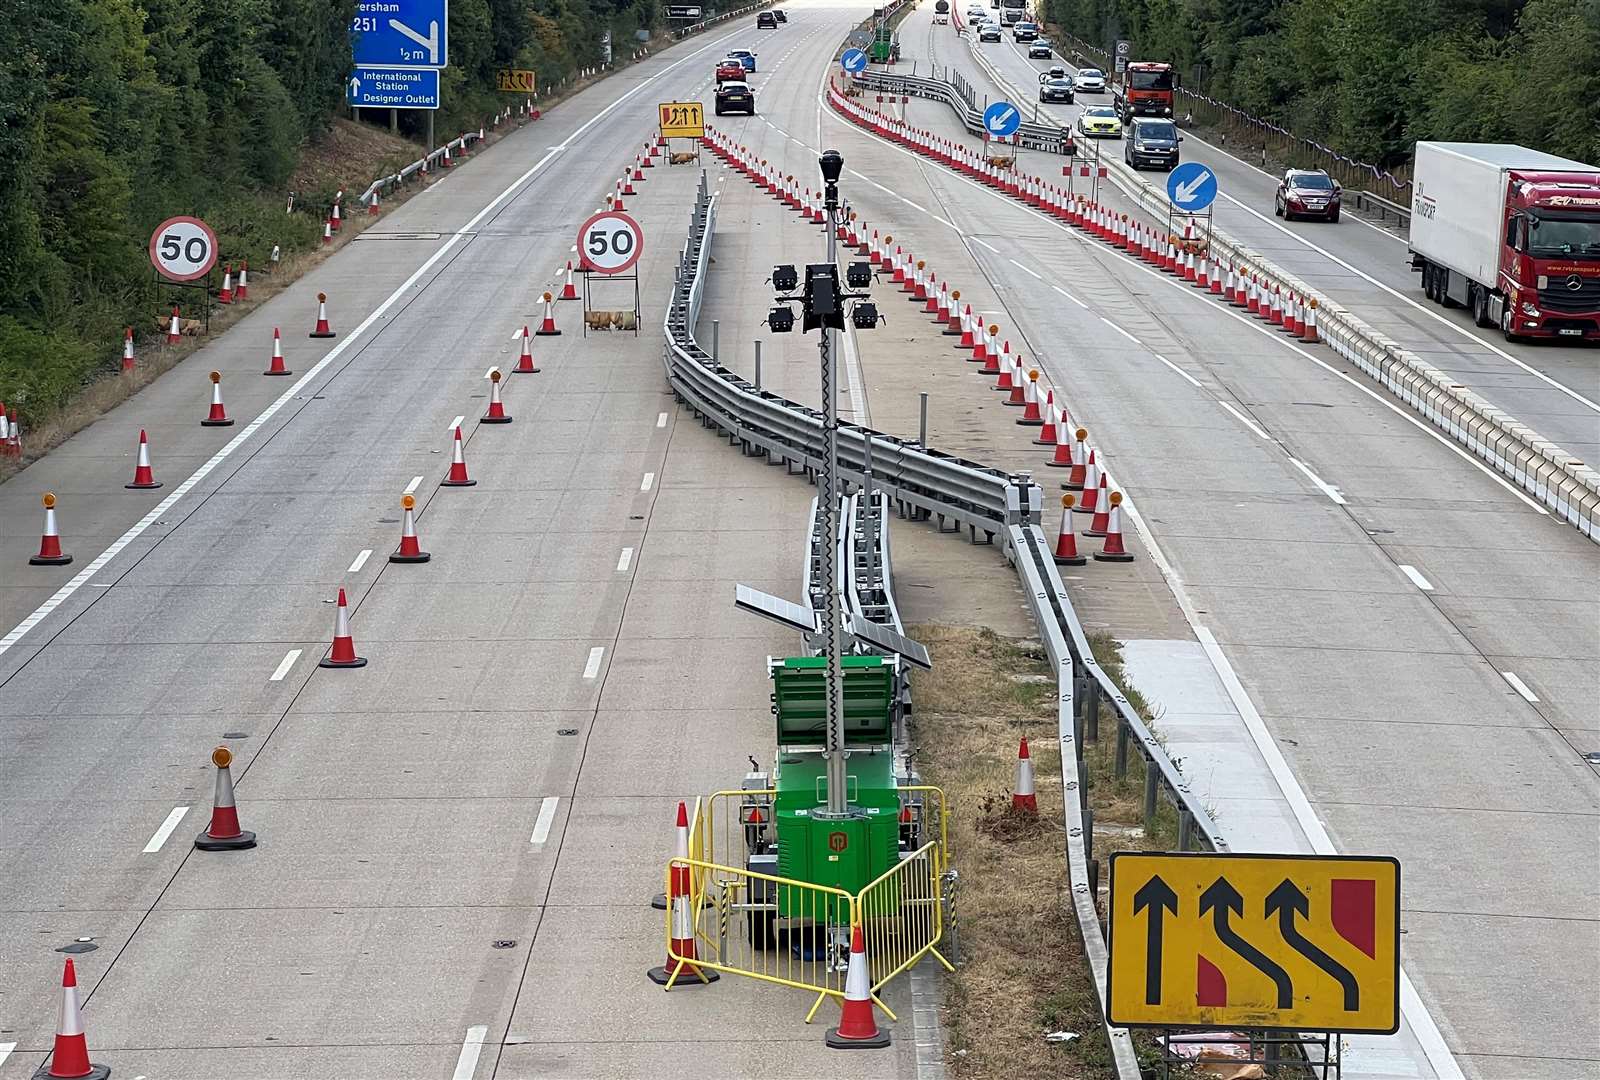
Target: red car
[729, 69]
[1307, 193]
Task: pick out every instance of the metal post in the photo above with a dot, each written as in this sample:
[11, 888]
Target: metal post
[922, 421]
[758, 367]
[394, 121]
[828, 503]
[716, 353]
[430, 133]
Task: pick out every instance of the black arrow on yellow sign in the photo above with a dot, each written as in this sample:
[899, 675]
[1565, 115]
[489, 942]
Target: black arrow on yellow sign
[1220, 898]
[1158, 896]
[1285, 901]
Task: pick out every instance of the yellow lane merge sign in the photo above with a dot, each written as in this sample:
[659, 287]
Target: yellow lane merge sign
[682, 119]
[514, 81]
[1305, 942]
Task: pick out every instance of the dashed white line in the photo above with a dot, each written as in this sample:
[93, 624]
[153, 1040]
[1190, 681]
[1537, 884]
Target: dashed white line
[516, 335]
[1069, 296]
[284, 665]
[624, 560]
[1322, 485]
[5, 1051]
[451, 428]
[914, 206]
[1416, 578]
[648, 482]
[361, 560]
[1255, 429]
[158, 838]
[411, 488]
[1121, 331]
[1192, 380]
[1520, 687]
[592, 667]
[661, 420]
[471, 1047]
[1027, 270]
[547, 817]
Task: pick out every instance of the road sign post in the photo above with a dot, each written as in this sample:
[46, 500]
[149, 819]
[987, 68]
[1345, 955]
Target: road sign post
[609, 245]
[1290, 942]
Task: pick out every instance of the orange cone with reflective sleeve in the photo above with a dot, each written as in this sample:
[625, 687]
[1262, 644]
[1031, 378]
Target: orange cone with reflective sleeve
[497, 410]
[547, 326]
[858, 1027]
[217, 416]
[50, 553]
[143, 476]
[680, 968]
[1023, 799]
[275, 365]
[1066, 553]
[343, 653]
[71, 1055]
[458, 466]
[409, 550]
[224, 834]
[323, 328]
[525, 364]
[1113, 550]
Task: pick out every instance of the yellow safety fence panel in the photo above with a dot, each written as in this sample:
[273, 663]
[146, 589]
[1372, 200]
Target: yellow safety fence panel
[902, 915]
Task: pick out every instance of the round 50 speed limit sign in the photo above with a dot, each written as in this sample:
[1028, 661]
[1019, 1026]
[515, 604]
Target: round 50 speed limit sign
[183, 248]
[610, 242]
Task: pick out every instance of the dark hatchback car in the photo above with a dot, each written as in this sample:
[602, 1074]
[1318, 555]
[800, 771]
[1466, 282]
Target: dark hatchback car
[780, 14]
[1056, 90]
[1308, 193]
[1151, 143]
[735, 96]
[766, 21]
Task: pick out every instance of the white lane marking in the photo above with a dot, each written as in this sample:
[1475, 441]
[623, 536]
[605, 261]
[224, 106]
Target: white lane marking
[489, 371]
[547, 817]
[914, 206]
[361, 560]
[661, 420]
[1520, 687]
[1416, 578]
[592, 667]
[471, 1047]
[648, 482]
[159, 512]
[1027, 270]
[1255, 429]
[158, 838]
[5, 1051]
[1194, 382]
[1322, 485]
[450, 429]
[284, 665]
[986, 244]
[1120, 330]
[1069, 296]
[624, 560]
[411, 488]
[516, 335]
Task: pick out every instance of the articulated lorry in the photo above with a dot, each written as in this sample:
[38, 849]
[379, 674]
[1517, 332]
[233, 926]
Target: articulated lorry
[1511, 234]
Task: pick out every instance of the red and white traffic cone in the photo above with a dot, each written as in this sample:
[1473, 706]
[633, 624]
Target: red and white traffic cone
[1049, 434]
[1091, 486]
[327, 233]
[1113, 550]
[336, 218]
[241, 291]
[953, 321]
[458, 467]
[1094, 498]
[224, 834]
[615, 199]
[10, 434]
[225, 296]
[142, 476]
[858, 1027]
[497, 411]
[174, 334]
[525, 365]
[547, 328]
[681, 957]
[1023, 799]
[1308, 332]
[50, 553]
[275, 367]
[323, 329]
[127, 349]
[969, 326]
[409, 550]
[373, 209]
[1066, 553]
[680, 850]
[1019, 386]
[1069, 455]
[218, 416]
[343, 653]
[70, 1057]
[1031, 417]
[569, 291]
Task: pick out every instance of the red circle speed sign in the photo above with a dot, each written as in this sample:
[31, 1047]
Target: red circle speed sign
[183, 248]
[610, 242]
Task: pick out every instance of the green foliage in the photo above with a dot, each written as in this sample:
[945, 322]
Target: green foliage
[1370, 77]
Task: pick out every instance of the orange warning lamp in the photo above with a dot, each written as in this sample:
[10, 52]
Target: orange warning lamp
[216, 376]
[408, 502]
[222, 757]
[49, 500]
[1116, 498]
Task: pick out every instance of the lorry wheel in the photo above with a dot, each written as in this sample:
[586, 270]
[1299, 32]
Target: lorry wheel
[1480, 306]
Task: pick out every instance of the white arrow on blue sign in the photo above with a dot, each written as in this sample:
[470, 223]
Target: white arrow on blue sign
[401, 33]
[393, 88]
[1191, 186]
[853, 61]
[1001, 119]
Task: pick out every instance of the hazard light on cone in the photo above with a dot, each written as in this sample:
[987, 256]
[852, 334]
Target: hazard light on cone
[409, 551]
[50, 553]
[218, 416]
[322, 329]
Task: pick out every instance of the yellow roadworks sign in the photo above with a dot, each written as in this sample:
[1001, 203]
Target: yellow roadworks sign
[515, 80]
[682, 119]
[1305, 942]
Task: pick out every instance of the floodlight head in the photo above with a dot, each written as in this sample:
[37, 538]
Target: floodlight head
[864, 315]
[832, 163]
[780, 320]
[785, 278]
[858, 275]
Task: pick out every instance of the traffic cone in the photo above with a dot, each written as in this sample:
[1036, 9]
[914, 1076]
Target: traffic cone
[343, 653]
[1090, 486]
[525, 364]
[1069, 455]
[1113, 550]
[10, 436]
[458, 468]
[547, 328]
[276, 366]
[142, 476]
[50, 543]
[954, 321]
[409, 550]
[1019, 386]
[616, 198]
[858, 1027]
[967, 324]
[71, 1055]
[327, 233]
[1000, 364]
[174, 335]
[225, 296]
[1308, 332]
[373, 209]
[224, 834]
[497, 410]
[127, 349]
[218, 416]
[1048, 435]
[322, 329]
[680, 963]
[569, 291]
[680, 851]
[1030, 402]
[335, 219]
[1066, 553]
[1023, 799]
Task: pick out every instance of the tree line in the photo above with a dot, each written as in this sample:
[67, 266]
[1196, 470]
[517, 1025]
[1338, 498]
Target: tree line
[116, 114]
[1371, 77]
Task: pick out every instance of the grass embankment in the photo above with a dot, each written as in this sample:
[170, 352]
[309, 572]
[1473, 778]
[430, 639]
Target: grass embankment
[1021, 973]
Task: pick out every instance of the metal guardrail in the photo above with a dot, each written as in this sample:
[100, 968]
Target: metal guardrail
[1031, 134]
[935, 485]
[1377, 204]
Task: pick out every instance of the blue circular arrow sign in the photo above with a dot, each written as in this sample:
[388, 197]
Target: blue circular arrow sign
[1001, 119]
[1191, 186]
[853, 61]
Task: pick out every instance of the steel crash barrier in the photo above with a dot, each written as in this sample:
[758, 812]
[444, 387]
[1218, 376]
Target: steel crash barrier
[924, 483]
[1033, 135]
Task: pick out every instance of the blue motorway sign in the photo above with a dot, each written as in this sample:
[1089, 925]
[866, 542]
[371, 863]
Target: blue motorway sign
[401, 33]
[1001, 119]
[1191, 186]
[853, 60]
[393, 88]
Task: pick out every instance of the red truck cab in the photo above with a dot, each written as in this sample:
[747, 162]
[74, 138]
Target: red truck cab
[1550, 260]
[1145, 88]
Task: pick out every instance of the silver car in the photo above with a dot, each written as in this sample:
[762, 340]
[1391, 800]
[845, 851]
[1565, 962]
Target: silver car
[1090, 81]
